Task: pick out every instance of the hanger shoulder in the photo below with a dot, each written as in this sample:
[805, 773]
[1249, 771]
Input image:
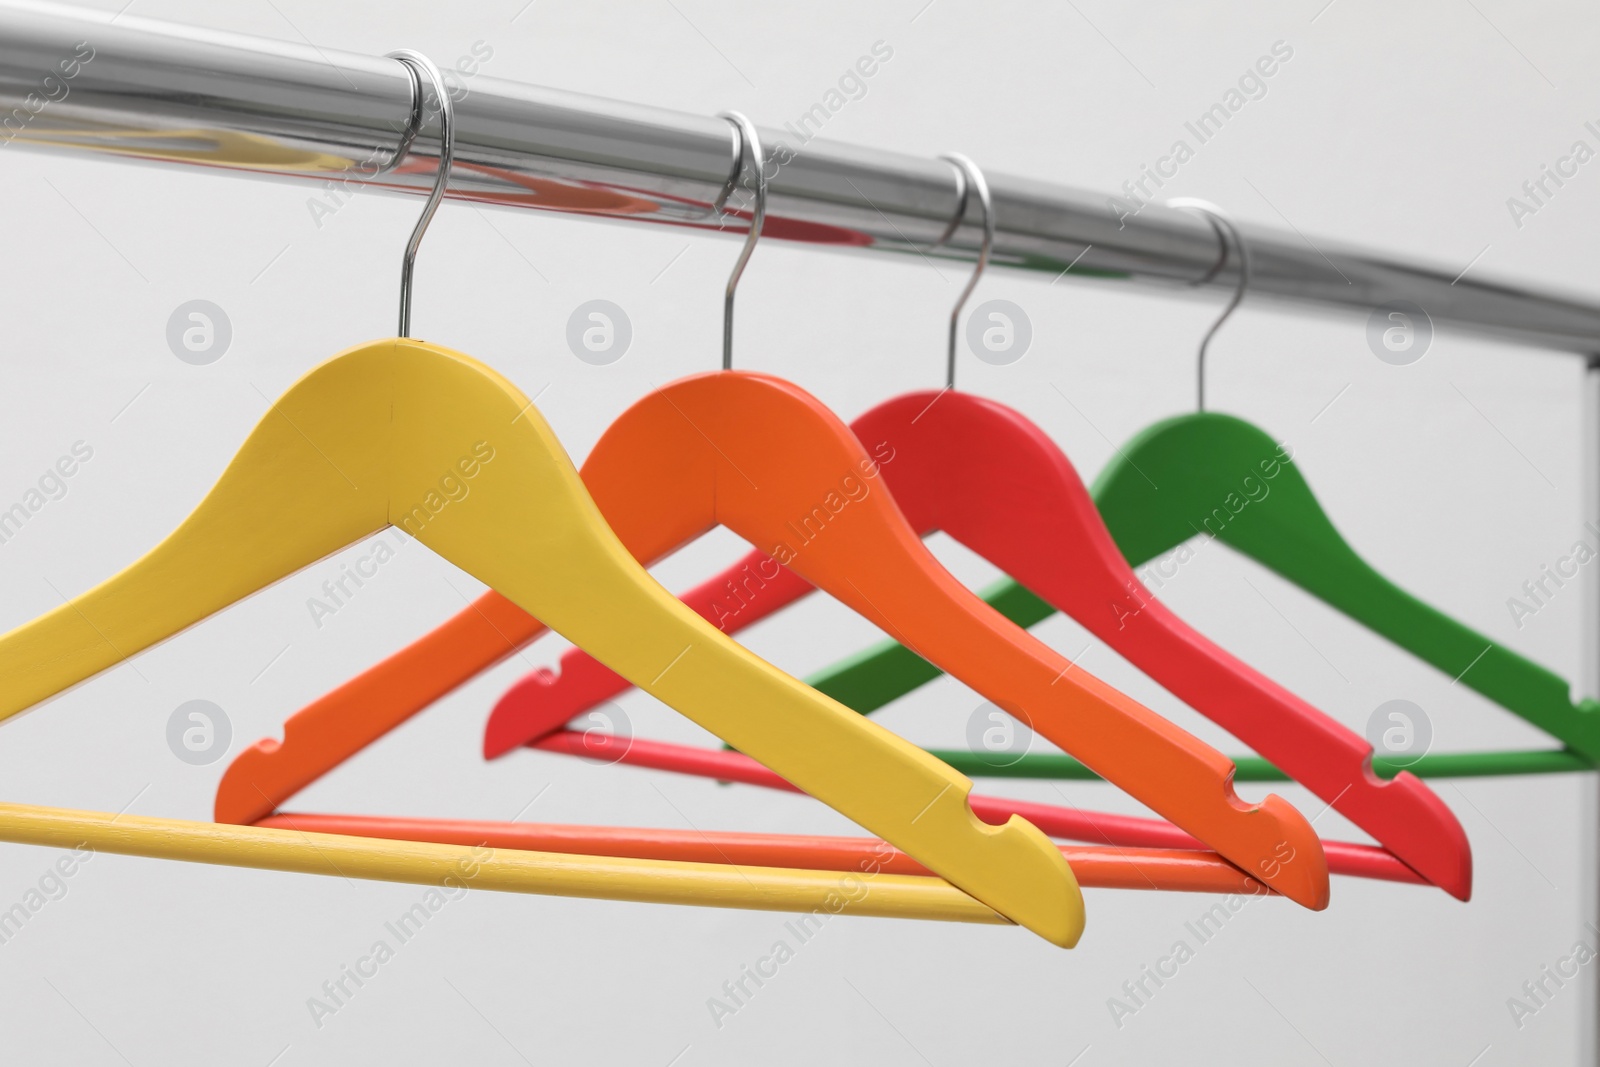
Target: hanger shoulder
[308, 482]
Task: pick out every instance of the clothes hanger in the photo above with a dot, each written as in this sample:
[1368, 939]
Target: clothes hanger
[657, 470]
[1296, 538]
[989, 478]
[1193, 459]
[375, 437]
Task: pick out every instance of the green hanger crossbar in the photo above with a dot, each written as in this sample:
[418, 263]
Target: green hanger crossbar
[1256, 769]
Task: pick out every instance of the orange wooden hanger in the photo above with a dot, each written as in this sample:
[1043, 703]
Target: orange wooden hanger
[764, 458]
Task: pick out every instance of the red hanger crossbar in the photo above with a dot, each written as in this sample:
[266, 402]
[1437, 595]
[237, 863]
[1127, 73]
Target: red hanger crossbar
[1072, 824]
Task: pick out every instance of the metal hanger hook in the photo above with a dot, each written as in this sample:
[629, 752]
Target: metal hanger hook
[416, 65]
[1224, 227]
[971, 181]
[751, 157]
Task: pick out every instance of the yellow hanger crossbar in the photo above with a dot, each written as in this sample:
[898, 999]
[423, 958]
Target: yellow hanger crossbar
[903, 896]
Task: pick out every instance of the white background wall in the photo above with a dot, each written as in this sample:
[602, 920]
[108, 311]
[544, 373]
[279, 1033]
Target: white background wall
[1404, 127]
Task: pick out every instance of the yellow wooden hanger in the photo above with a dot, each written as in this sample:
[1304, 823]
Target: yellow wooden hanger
[404, 433]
